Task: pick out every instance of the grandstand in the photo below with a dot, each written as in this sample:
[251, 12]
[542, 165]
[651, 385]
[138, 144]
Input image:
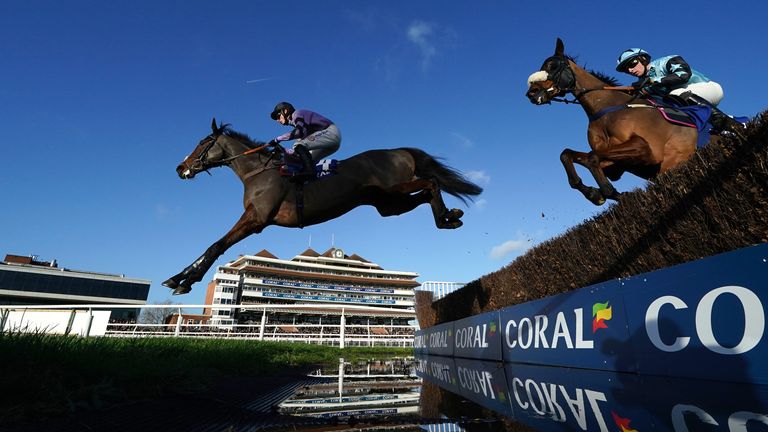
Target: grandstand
[313, 296]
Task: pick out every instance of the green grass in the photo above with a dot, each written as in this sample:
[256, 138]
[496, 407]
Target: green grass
[51, 374]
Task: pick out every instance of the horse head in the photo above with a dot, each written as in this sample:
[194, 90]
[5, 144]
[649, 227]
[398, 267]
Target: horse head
[206, 155]
[554, 79]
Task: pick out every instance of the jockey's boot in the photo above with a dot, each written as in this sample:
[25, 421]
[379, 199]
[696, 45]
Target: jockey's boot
[308, 165]
[720, 121]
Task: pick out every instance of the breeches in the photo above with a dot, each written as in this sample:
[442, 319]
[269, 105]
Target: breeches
[711, 91]
[321, 143]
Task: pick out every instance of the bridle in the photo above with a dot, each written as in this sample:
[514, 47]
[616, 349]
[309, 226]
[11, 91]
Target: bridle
[200, 163]
[564, 82]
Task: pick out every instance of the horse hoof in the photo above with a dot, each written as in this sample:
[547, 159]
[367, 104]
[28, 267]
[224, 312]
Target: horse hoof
[455, 214]
[170, 283]
[182, 290]
[450, 224]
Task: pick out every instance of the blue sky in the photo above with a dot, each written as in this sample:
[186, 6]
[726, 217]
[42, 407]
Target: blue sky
[100, 101]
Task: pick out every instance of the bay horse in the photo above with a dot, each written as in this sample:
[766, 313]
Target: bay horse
[634, 138]
[393, 181]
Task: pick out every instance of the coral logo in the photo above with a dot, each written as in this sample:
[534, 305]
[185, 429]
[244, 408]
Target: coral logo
[622, 423]
[601, 313]
[475, 336]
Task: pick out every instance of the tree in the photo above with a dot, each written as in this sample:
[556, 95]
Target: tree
[158, 315]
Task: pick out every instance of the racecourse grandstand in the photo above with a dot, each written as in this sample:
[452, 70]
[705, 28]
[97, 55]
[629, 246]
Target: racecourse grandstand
[312, 296]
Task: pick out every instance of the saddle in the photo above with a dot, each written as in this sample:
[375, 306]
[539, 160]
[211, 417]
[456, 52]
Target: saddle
[292, 165]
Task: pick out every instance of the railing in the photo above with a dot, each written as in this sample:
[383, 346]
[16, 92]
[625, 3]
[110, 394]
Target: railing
[94, 323]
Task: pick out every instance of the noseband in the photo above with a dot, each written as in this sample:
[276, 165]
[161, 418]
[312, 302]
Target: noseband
[199, 164]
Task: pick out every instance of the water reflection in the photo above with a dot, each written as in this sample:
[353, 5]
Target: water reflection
[363, 390]
[566, 399]
[377, 395]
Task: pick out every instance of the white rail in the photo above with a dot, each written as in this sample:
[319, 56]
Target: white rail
[341, 334]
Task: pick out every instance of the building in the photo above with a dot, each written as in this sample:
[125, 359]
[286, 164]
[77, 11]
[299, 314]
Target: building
[440, 289]
[313, 294]
[26, 281]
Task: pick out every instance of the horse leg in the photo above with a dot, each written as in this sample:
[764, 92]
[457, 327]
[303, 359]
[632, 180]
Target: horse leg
[245, 226]
[405, 197]
[568, 157]
[606, 187]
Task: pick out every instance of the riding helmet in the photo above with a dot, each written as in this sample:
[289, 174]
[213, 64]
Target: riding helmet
[630, 54]
[280, 107]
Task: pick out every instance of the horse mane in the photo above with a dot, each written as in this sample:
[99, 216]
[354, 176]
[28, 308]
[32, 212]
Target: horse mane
[243, 138]
[607, 79]
[611, 81]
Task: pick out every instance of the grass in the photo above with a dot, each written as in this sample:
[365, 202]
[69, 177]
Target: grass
[50, 375]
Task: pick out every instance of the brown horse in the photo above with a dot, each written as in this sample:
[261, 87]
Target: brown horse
[394, 181]
[634, 139]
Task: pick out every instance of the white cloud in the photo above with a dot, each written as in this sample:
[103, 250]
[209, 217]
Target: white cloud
[462, 140]
[478, 177]
[420, 32]
[508, 247]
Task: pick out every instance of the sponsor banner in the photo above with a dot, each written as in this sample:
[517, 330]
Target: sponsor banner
[420, 339]
[438, 370]
[324, 286]
[585, 328]
[325, 298]
[703, 319]
[439, 339]
[484, 383]
[478, 337]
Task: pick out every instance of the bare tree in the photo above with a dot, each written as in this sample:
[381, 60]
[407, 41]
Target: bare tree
[158, 315]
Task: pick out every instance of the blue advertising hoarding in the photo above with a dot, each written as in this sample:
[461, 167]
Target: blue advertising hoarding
[703, 319]
[582, 328]
[478, 337]
[436, 340]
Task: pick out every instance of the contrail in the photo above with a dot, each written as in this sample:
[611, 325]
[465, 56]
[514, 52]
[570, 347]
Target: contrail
[258, 80]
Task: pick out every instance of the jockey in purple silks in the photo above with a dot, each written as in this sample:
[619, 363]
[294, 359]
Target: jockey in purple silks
[316, 136]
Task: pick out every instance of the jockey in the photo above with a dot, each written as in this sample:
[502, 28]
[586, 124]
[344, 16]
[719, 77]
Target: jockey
[672, 75]
[316, 136]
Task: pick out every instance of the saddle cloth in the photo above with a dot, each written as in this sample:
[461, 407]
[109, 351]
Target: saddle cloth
[323, 168]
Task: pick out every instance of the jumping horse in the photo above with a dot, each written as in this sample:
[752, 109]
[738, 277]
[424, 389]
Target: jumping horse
[393, 181]
[623, 137]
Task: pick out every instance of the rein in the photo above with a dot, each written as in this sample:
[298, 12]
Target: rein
[578, 94]
[247, 152]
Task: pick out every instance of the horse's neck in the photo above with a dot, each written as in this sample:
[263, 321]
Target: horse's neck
[243, 165]
[595, 101]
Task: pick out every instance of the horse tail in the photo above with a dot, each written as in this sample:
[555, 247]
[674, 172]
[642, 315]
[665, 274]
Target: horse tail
[450, 180]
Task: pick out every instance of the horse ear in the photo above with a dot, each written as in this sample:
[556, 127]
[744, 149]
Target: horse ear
[213, 125]
[559, 48]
